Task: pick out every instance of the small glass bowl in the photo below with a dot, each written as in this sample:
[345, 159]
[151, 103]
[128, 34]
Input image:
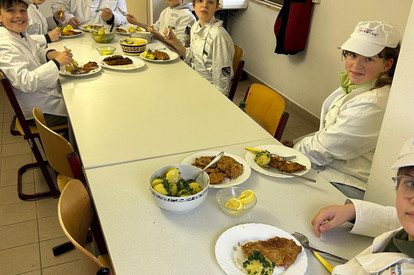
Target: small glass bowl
[106, 50]
[225, 194]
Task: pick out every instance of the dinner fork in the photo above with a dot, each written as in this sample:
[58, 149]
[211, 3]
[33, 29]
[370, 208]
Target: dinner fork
[72, 65]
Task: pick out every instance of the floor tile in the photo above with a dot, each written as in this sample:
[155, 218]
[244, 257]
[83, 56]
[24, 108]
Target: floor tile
[35, 272]
[8, 194]
[46, 207]
[18, 148]
[47, 257]
[8, 138]
[18, 212]
[70, 268]
[49, 228]
[9, 177]
[20, 259]
[18, 234]
[15, 162]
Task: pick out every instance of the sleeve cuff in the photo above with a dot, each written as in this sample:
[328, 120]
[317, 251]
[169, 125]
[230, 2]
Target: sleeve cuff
[57, 63]
[48, 40]
[111, 21]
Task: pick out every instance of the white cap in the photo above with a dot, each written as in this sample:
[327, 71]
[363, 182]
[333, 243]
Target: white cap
[406, 157]
[371, 37]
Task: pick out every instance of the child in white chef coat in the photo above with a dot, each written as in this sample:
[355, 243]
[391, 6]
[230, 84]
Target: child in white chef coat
[38, 27]
[351, 117]
[33, 71]
[211, 48]
[391, 252]
[177, 15]
[80, 12]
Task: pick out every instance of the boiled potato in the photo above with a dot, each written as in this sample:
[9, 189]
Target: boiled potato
[195, 188]
[156, 181]
[161, 189]
[173, 175]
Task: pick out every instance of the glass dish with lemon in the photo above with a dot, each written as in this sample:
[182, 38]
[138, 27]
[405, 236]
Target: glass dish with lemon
[236, 201]
[103, 35]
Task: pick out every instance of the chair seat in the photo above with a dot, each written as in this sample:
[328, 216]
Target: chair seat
[33, 129]
[62, 180]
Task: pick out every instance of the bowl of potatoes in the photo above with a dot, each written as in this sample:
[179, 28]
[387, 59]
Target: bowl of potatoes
[173, 189]
[103, 35]
[133, 46]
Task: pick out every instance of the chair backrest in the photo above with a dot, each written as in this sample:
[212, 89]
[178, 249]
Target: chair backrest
[266, 107]
[18, 125]
[238, 65]
[59, 152]
[75, 215]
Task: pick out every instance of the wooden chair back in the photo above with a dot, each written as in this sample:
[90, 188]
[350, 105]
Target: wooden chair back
[266, 107]
[238, 64]
[60, 153]
[75, 215]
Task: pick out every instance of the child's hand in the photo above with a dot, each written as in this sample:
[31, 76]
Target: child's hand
[132, 19]
[170, 36]
[59, 15]
[332, 216]
[54, 34]
[106, 14]
[74, 22]
[64, 58]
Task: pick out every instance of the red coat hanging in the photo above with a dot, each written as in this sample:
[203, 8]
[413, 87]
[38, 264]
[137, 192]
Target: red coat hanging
[292, 26]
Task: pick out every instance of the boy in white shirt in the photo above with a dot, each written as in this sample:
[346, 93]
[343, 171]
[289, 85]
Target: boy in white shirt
[38, 27]
[177, 15]
[211, 48]
[32, 71]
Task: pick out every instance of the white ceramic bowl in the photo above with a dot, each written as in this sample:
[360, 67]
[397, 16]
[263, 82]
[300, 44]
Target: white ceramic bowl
[180, 204]
[138, 46]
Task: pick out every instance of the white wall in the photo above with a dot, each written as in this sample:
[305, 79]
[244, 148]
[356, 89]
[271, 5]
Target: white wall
[307, 78]
[398, 124]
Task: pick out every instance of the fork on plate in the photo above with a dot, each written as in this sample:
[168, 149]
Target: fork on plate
[122, 12]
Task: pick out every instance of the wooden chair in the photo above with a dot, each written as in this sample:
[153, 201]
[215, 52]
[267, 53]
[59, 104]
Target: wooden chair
[266, 107]
[59, 152]
[238, 65]
[19, 127]
[75, 214]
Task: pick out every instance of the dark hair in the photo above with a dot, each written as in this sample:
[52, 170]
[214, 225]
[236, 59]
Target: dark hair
[5, 4]
[405, 170]
[386, 54]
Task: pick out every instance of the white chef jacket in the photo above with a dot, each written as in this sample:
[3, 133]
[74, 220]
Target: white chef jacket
[179, 18]
[85, 10]
[343, 148]
[34, 79]
[373, 220]
[211, 53]
[37, 25]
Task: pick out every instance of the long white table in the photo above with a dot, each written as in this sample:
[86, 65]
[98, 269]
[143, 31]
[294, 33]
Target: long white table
[142, 238]
[157, 110]
[128, 124]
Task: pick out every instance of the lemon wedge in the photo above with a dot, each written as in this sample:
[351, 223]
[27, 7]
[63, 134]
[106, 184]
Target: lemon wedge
[234, 204]
[246, 197]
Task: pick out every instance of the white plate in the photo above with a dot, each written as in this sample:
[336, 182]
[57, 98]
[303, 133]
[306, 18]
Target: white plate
[126, 27]
[83, 27]
[137, 63]
[173, 56]
[230, 259]
[227, 182]
[281, 151]
[72, 36]
[91, 72]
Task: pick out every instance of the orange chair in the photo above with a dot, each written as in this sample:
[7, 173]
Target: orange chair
[238, 65]
[76, 214]
[266, 107]
[19, 127]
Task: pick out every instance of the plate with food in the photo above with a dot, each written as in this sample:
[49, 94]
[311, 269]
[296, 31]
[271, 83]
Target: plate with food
[275, 159]
[230, 170]
[257, 246]
[91, 27]
[121, 62]
[127, 30]
[159, 56]
[86, 69]
[70, 32]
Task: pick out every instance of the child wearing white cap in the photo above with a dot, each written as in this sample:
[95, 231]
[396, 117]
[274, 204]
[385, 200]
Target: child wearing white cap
[351, 117]
[391, 252]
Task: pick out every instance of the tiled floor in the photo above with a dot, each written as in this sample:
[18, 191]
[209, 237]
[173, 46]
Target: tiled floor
[29, 229]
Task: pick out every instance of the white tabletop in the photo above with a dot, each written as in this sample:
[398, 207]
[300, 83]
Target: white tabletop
[156, 110]
[143, 238]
